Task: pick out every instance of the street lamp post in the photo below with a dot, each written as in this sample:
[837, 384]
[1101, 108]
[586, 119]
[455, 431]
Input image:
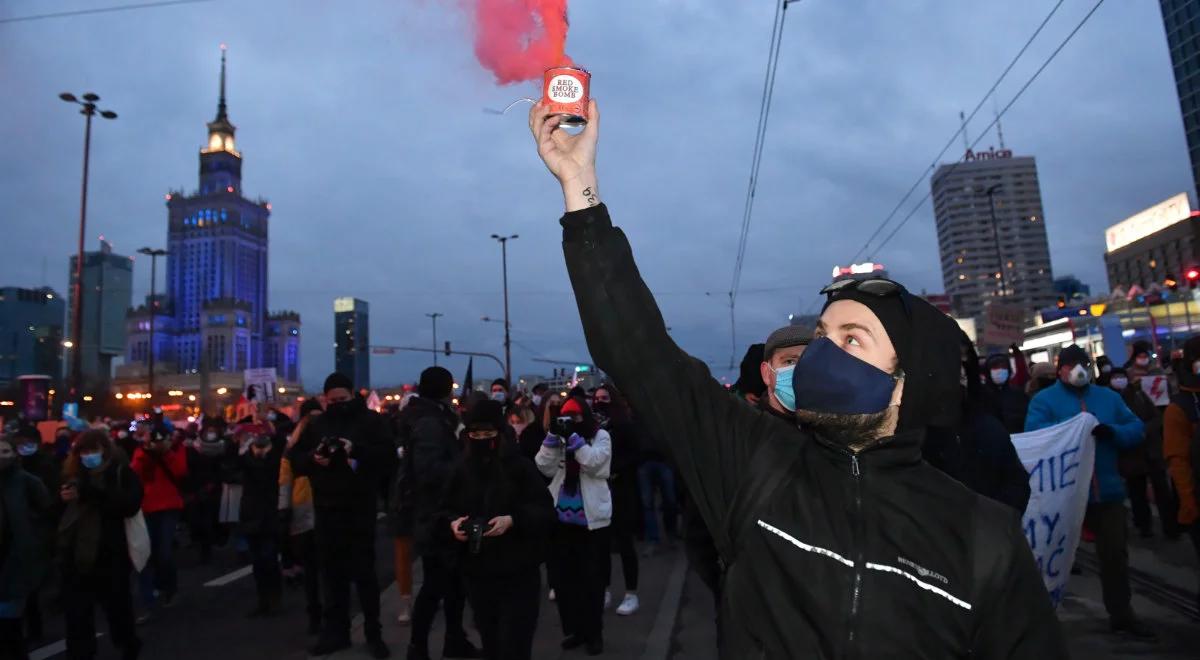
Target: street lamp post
[991, 195]
[88, 105]
[507, 339]
[154, 255]
[435, 316]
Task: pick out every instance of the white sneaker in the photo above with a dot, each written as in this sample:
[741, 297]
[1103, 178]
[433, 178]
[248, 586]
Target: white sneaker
[629, 605]
[551, 596]
[607, 598]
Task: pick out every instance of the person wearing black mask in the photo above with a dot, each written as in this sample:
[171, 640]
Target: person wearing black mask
[37, 459]
[204, 460]
[429, 437]
[978, 451]
[258, 519]
[614, 416]
[832, 528]
[353, 448]
[1002, 399]
[499, 514]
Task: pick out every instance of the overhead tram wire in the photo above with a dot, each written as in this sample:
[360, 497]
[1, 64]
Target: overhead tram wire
[954, 136]
[764, 113]
[99, 10]
[1002, 112]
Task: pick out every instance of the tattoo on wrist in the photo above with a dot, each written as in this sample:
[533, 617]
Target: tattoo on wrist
[590, 196]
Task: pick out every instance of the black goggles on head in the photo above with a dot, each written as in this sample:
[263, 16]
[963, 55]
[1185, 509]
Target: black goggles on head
[877, 287]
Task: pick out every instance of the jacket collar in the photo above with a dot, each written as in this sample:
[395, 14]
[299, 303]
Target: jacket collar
[896, 451]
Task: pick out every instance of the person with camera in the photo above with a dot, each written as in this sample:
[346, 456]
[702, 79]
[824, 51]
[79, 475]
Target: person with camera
[352, 448]
[576, 455]
[259, 518]
[500, 515]
[429, 438]
[99, 491]
[160, 462]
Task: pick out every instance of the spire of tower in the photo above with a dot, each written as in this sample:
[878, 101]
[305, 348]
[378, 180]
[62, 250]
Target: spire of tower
[999, 129]
[221, 115]
[962, 118]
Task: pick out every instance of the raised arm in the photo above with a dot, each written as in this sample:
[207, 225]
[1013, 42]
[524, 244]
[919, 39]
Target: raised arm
[710, 433]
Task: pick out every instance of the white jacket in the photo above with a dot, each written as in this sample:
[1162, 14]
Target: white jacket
[594, 461]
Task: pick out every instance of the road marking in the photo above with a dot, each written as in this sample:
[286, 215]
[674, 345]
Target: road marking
[53, 649]
[230, 577]
[658, 644]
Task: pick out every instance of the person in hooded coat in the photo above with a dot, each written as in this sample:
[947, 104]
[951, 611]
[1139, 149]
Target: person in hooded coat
[832, 527]
[38, 459]
[1181, 443]
[100, 491]
[1144, 465]
[23, 559]
[978, 451]
[1000, 396]
[494, 486]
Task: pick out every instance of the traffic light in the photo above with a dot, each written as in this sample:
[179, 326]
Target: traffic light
[448, 349]
[1062, 303]
[1192, 275]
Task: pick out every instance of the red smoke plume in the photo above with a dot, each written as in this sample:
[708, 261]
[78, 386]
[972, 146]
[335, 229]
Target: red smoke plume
[519, 39]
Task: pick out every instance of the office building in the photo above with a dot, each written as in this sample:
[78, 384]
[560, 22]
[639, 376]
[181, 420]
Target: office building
[1007, 260]
[1181, 19]
[1069, 286]
[352, 340]
[1152, 246]
[31, 334]
[107, 293]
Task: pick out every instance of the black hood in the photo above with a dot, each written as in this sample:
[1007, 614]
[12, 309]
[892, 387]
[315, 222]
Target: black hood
[927, 347]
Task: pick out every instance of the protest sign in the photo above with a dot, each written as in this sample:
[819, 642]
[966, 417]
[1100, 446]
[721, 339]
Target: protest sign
[263, 381]
[1155, 387]
[1004, 324]
[1059, 460]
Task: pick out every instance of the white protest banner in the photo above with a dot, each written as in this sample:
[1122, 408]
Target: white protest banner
[263, 381]
[1155, 387]
[1059, 460]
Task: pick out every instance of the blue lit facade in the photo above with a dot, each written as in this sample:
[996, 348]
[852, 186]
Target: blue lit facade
[213, 314]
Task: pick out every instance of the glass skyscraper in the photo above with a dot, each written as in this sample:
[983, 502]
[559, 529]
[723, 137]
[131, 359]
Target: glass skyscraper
[352, 352]
[1181, 18]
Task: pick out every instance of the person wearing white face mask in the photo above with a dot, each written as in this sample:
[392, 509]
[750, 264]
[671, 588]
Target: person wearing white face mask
[1144, 464]
[1118, 429]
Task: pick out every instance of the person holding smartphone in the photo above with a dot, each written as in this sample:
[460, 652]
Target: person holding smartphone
[576, 455]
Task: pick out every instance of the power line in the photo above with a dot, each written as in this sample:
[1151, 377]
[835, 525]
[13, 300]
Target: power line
[98, 10]
[961, 130]
[1004, 110]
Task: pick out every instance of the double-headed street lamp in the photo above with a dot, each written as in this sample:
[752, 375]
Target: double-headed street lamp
[154, 254]
[88, 109]
[503, 240]
[435, 316]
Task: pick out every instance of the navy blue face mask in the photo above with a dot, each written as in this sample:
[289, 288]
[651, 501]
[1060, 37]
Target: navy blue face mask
[830, 380]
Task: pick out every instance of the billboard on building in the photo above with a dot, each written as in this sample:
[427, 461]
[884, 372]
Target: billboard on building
[1156, 218]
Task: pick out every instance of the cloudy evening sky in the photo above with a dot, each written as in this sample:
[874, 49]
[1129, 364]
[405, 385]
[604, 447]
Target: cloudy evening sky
[362, 122]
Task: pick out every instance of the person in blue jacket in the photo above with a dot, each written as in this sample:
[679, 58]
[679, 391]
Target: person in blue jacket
[1106, 516]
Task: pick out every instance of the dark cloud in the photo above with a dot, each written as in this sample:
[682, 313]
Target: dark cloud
[363, 124]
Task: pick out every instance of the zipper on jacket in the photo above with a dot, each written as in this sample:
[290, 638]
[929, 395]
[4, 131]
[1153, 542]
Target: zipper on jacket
[856, 593]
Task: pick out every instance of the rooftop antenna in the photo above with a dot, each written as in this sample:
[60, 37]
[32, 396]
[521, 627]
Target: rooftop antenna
[999, 129]
[962, 117]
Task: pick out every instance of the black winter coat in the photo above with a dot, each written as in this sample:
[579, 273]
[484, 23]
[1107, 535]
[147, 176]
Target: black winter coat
[260, 492]
[506, 485]
[344, 493]
[868, 555]
[980, 455]
[429, 435]
[1007, 404]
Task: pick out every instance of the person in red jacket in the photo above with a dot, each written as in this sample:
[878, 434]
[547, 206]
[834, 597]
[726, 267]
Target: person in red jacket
[161, 463]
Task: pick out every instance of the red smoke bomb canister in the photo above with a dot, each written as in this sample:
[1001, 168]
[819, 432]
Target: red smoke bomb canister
[566, 93]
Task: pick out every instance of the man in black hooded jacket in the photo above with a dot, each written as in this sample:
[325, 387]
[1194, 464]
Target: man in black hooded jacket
[839, 540]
